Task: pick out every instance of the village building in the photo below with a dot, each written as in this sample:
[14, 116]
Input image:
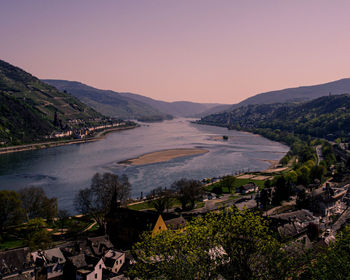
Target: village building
[84, 267]
[17, 264]
[328, 201]
[248, 188]
[293, 225]
[99, 245]
[114, 260]
[49, 264]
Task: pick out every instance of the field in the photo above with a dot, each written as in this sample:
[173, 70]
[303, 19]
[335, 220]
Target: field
[239, 182]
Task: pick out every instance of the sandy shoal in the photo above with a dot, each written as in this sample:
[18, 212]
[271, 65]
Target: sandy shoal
[162, 156]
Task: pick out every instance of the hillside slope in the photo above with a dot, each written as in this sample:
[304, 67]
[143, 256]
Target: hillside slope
[28, 107]
[177, 108]
[325, 117]
[298, 94]
[109, 102]
[131, 105]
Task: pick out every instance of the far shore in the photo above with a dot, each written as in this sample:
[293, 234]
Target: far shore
[163, 156]
[43, 145]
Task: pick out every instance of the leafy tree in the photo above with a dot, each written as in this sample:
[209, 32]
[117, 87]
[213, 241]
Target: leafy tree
[302, 200]
[162, 199]
[304, 175]
[318, 172]
[188, 191]
[11, 212]
[62, 215]
[228, 182]
[235, 244]
[217, 190]
[37, 236]
[291, 177]
[106, 192]
[282, 189]
[265, 197]
[36, 204]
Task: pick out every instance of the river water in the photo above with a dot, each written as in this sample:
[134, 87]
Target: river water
[62, 171]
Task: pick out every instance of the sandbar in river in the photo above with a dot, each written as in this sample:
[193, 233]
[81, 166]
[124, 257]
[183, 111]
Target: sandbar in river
[163, 156]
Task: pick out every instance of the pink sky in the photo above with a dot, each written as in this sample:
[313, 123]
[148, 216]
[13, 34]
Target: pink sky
[196, 50]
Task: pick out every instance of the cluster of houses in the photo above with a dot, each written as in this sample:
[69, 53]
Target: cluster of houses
[92, 258]
[325, 213]
[89, 258]
[98, 258]
[83, 132]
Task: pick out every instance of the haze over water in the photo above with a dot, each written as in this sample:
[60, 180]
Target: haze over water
[62, 171]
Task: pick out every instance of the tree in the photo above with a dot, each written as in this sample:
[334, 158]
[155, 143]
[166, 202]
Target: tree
[235, 244]
[11, 212]
[302, 200]
[282, 190]
[62, 215]
[303, 175]
[228, 182]
[37, 236]
[217, 190]
[106, 192]
[318, 172]
[188, 191]
[265, 197]
[36, 204]
[162, 199]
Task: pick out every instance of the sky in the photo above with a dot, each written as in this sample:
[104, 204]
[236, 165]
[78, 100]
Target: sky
[218, 51]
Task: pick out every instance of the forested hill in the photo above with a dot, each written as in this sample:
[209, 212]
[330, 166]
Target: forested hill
[28, 107]
[326, 117]
[134, 106]
[298, 94]
[109, 102]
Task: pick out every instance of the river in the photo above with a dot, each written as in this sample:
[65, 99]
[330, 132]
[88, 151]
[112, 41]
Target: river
[62, 171]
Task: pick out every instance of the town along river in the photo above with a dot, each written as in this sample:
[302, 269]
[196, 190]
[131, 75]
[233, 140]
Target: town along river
[62, 171]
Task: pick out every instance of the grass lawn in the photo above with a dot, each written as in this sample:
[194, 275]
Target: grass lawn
[199, 205]
[72, 223]
[148, 205]
[11, 244]
[141, 206]
[238, 183]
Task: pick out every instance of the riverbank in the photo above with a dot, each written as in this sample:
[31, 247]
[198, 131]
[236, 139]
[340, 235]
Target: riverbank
[44, 145]
[163, 156]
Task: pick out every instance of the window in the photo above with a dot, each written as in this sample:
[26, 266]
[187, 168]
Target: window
[95, 275]
[120, 261]
[100, 266]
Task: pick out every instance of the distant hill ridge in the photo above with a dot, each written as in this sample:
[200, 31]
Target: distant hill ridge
[298, 94]
[131, 105]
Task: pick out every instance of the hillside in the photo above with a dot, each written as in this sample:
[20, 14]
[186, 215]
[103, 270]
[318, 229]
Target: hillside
[109, 102]
[131, 105]
[28, 107]
[178, 108]
[298, 94]
[325, 117]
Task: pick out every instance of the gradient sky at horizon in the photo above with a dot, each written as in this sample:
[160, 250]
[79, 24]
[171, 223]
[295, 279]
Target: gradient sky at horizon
[220, 51]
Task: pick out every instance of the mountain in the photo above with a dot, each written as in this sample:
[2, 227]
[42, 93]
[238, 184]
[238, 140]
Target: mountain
[131, 105]
[28, 107]
[109, 102]
[325, 117]
[298, 94]
[177, 108]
